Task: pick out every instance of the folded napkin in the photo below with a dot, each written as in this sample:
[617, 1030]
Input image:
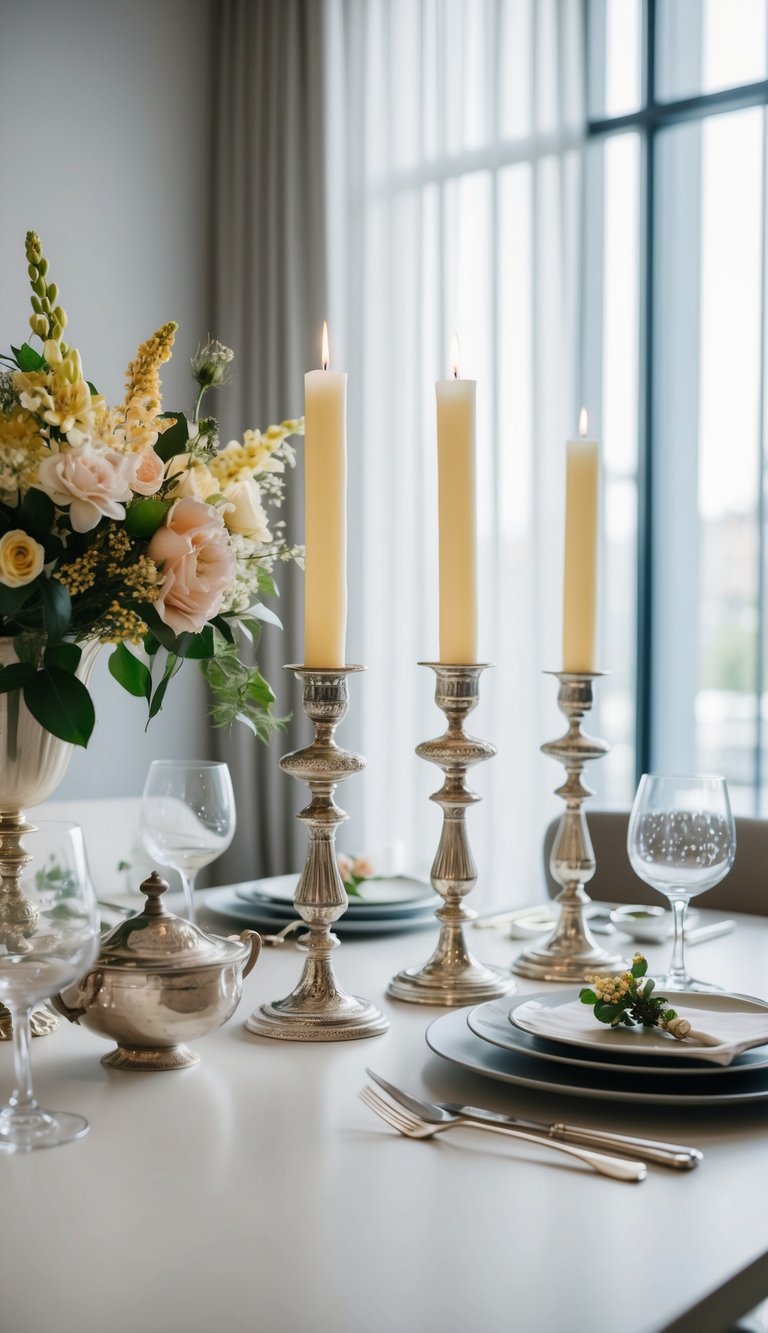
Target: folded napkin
[720, 1037]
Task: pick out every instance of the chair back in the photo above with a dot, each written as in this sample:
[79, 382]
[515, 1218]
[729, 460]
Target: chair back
[744, 889]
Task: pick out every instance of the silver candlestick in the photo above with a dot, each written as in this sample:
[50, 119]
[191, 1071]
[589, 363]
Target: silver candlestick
[571, 951]
[452, 975]
[318, 1009]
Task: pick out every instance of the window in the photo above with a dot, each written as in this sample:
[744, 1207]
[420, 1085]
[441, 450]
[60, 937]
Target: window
[674, 320]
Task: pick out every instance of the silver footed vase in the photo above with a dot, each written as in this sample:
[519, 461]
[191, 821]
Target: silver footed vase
[32, 764]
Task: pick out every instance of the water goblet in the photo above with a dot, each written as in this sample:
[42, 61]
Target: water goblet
[187, 817]
[682, 841]
[49, 937]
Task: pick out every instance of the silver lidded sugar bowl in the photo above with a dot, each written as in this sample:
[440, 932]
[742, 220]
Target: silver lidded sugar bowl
[159, 982]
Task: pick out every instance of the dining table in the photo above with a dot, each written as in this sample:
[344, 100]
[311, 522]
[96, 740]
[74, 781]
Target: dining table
[257, 1192]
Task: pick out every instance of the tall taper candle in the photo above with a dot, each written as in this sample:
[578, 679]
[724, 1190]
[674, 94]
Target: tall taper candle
[325, 487]
[581, 523]
[457, 522]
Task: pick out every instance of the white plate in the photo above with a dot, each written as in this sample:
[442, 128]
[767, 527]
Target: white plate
[450, 1038]
[398, 895]
[226, 903]
[490, 1021]
[625, 1041]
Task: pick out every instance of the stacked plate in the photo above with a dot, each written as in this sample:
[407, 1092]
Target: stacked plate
[623, 1065]
[383, 905]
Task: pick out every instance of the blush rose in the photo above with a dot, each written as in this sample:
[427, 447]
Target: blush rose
[192, 550]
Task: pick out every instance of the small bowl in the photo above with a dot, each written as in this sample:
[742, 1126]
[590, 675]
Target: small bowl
[647, 925]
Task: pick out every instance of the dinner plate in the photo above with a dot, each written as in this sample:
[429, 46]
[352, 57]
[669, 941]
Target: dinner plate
[451, 1039]
[226, 903]
[490, 1021]
[615, 1042]
[398, 896]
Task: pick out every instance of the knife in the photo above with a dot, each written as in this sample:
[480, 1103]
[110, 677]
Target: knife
[663, 1154]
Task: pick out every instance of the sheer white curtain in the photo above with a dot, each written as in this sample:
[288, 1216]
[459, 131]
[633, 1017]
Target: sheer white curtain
[454, 184]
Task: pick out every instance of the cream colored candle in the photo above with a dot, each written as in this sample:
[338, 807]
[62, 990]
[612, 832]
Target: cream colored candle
[325, 507]
[456, 511]
[581, 525]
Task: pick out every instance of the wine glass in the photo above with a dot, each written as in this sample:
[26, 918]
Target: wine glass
[49, 937]
[681, 841]
[187, 816]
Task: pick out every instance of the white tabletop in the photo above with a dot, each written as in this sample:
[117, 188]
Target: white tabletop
[256, 1192]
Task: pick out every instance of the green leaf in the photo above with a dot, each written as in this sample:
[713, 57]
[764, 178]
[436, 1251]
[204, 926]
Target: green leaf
[606, 1013]
[173, 440]
[64, 655]
[143, 517]
[163, 633]
[27, 358]
[201, 645]
[648, 988]
[639, 968]
[57, 608]
[259, 690]
[15, 676]
[92, 389]
[36, 514]
[257, 612]
[171, 667]
[224, 628]
[151, 645]
[587, 996]
[12, 599]
[61, 704]
[128, 671]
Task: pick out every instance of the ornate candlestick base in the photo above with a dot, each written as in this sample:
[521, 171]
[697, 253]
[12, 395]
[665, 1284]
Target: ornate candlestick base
[452, 975]
[571, 951]
[18, 916]
[318, 1009]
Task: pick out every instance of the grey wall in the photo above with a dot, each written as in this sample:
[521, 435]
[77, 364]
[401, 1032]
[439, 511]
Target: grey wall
[105, 152]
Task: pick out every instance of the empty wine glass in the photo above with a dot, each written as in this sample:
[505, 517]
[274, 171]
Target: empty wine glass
[49, 936]
[681, 841]
[187, 816]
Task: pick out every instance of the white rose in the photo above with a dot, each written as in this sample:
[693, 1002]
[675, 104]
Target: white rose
[94, 483]
[244, 512]
[195, 479]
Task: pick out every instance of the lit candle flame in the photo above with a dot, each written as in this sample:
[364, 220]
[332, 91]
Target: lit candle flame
[326, 356]
[583, 422]
[454, 358]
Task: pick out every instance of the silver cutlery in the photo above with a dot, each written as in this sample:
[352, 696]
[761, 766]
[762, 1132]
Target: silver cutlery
[661, 1154]
[414, 1128]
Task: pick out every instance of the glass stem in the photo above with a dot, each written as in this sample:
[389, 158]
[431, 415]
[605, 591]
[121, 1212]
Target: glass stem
[188, 885]
[22, 1097]
[677, 972]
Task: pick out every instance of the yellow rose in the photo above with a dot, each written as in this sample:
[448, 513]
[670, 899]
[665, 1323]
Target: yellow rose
[195, 480]
[21, 558]
[244, 513]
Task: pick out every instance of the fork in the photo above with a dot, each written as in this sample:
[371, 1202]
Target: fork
[618, 1168]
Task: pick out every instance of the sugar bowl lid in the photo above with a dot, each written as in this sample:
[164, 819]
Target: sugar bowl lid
[156, 939]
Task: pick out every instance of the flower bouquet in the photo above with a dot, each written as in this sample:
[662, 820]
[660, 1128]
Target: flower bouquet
[128, 526]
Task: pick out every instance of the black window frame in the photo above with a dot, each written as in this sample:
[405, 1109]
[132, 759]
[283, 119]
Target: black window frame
[652, 118]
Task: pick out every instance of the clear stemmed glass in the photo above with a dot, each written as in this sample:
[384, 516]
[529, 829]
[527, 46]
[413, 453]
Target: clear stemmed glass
[681, 841]
[49, 936]
[187, 816]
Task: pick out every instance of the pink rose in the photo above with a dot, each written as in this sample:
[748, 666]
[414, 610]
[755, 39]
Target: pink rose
[192, 549]
[150, 471]
[94, 483]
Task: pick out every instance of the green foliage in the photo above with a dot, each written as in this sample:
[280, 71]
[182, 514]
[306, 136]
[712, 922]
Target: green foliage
[627, 999]
[143, 517]
[128, 671]
[173, 440]
[61, 704]
[240, 693]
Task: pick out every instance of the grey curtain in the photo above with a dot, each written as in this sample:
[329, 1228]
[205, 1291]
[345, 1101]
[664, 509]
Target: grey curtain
[268, 301]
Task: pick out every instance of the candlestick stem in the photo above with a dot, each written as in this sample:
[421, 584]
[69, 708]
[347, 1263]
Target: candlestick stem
[318, 1009]
[571, 950]
[452, 975]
